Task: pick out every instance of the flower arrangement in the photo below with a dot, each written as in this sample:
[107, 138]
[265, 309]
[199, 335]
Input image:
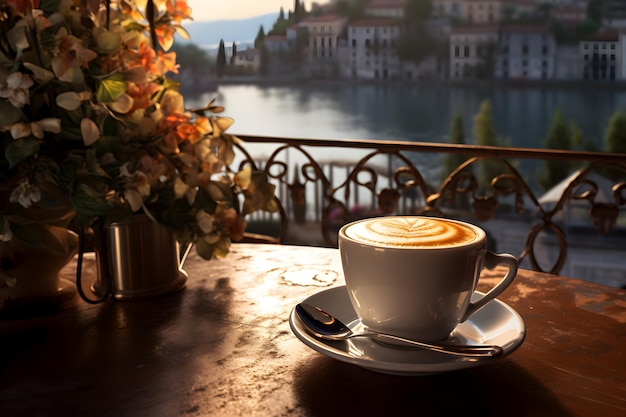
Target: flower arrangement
[91, 122]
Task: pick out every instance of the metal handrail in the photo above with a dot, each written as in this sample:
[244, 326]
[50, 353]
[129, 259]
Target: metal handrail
[460, 194]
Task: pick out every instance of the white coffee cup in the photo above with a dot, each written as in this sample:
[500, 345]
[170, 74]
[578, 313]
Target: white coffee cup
[414, 276]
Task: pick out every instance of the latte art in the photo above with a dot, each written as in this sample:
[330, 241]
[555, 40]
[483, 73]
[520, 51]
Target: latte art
[410, 232]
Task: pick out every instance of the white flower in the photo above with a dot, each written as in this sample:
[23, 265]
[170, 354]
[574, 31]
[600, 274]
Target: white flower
[26, 194]
[15, 89]
[138, 187]
[49, 124]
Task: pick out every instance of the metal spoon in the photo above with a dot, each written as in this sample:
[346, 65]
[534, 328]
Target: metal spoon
[321, 324]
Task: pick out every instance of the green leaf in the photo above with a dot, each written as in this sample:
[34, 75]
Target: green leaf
[18, 150]
[88, 202]
[204, 249]
[111, 89]
[9, 115]
[5, 61]
[170, 84]
[259, 195]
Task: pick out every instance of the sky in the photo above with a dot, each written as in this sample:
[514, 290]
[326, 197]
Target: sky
[208, 10]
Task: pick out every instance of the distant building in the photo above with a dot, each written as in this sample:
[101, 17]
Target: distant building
[323, 36]
[469, 11]
[602, 57]
[276, 43]
[249, 60]
[393, 9]
[518, 9]
[371, 43]
[569, 15]
[569, 63]
[525, 53]
[470, 49]
[615, 14]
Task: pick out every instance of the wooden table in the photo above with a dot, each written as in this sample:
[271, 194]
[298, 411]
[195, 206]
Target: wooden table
[223, 346]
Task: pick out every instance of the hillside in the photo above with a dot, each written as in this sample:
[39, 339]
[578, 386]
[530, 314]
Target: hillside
[208, 34]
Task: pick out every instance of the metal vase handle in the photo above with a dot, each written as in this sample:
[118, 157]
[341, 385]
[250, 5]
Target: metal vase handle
[135, 259]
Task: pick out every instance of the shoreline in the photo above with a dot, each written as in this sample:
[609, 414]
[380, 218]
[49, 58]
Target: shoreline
[213, 83]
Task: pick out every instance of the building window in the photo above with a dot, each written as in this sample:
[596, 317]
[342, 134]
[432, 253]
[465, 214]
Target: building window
[545, 50]
[525, 49]
[586, 57]
[604, 46]
[354, 43]
[612, 46]
[466, 51]
[612, 57]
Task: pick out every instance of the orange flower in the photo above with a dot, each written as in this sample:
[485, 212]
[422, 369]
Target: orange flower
[146, 57]
[165, 36]
[233, 222]
[179, 10]
[141, 94]
[166, 62]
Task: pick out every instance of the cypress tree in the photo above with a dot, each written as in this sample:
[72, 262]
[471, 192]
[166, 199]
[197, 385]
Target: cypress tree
[615, 141]
[486, 136]
[560, 136]
[221, 59]
[451, 161]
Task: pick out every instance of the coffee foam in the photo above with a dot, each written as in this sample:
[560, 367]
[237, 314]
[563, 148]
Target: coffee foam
[410, 232]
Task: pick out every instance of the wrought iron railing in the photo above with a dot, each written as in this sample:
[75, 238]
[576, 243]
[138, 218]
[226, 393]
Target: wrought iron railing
[323, 184]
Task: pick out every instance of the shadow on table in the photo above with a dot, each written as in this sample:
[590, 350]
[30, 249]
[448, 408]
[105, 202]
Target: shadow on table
[326, 387]
[111, 359]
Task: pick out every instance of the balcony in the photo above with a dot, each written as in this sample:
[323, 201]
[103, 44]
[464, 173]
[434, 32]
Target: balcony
[577, 228]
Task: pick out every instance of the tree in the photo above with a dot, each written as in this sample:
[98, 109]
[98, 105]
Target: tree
[415, 42]
[486, 136]
[191, 58]
[615, 140]
[259, 40]
[595, 10]
[353, 9]
[232, 58]
[452, 161]
[615, 136]
[221, 59]
[418, 9]
[560, 136]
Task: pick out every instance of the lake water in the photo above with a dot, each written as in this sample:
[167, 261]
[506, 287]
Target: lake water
[412, 113]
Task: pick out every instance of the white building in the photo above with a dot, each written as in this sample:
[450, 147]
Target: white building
[525, 53]
[322, 51]
[249, 59]
[393, 9]
[469, 49]
[602, 56]
[372, 43]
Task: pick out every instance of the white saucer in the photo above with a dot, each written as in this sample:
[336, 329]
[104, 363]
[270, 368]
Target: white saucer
[496, 323]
